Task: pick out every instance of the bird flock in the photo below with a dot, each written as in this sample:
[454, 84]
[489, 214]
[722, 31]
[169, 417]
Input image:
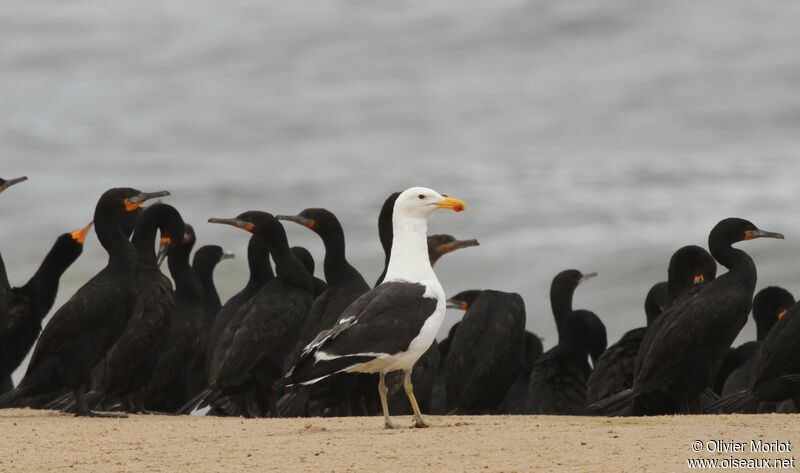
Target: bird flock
[132, 340]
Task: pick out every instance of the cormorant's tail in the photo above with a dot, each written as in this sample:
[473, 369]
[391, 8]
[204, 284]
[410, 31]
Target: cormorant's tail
[614, 405]
[293, 404]
[745, 401]
[93, 399]
[309, 373]
[11, 398]
[732, 403]
[204, 397]
[60, 402]
[227, 406]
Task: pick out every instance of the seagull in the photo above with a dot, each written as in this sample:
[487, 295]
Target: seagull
[391, 326]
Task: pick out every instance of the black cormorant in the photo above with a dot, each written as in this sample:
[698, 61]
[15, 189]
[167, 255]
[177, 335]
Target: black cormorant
[86, 326]
[682, 347]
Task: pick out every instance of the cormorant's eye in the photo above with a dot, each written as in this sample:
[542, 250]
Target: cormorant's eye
[421, 196]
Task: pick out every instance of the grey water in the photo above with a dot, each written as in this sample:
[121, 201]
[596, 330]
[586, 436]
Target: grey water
[597, 135]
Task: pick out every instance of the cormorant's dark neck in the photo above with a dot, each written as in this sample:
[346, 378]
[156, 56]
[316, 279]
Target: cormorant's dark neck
[385, 268]
[288, 267]
[764, 325]
[187, 283]
[336, 267]
[43, 285]
[120, 251]
[651, 310]
[561, 303]
[674, 289]
[386, 234]
[387, 250]
[211, 302]
[5, 287]
[740, 265]
[155, 217]
[568, 342]
[258, 263]
[144, 237]
[762, 331]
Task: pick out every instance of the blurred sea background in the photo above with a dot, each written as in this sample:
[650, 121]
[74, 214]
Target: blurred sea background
[597, 135]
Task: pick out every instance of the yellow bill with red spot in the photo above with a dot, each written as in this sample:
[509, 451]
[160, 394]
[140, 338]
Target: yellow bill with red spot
[451, 203]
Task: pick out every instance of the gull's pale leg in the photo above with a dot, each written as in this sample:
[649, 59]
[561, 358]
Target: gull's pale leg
[418, 420]
[382, 391]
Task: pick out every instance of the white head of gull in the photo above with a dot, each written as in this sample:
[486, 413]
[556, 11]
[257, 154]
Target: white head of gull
[392, 325]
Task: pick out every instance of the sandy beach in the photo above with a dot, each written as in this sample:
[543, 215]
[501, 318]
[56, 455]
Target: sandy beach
[49, 441]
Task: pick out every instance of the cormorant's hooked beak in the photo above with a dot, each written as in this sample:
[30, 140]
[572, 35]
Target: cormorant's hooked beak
[306, 222]
[586, 276]
[243, 224]
[457, 245]
[451, 204]
[80, 235]
[227, 255]
[132, 203]
[5, 184]
[753, 234]
[163, 247]
[457, 304]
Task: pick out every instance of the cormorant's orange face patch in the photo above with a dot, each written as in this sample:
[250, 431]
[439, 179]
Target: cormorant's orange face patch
[699, 278]
[80, 235]
[130, 206]
[781, 314]
[464, 305]
[311, 223]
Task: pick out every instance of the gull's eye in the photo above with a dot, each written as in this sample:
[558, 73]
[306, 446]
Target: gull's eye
[421, 196]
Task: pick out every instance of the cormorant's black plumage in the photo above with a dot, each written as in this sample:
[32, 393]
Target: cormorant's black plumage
[482, 361]
[690, 268]
[682, 347]
[769, 306]
[128, 366]
[86, 326]
[26, 306]
[344, 285]
[271, 320]
[204, 262]
[515, 401]
[260, 274]
[308, 261]
[558, 377]
[775, 372]
[168, 388]
[441, 244]
[385, 232]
